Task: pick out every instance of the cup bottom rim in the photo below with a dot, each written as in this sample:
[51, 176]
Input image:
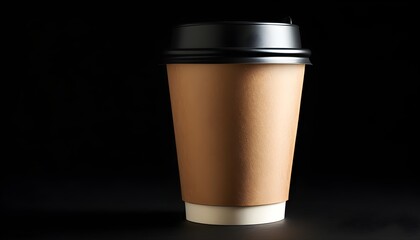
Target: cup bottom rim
[227, 215]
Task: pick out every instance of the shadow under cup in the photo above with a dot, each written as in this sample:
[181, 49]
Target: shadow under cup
[235, 91]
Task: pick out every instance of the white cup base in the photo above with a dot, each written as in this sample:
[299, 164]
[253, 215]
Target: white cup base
[220, 215]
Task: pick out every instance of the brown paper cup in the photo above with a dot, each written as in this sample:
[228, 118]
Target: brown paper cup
[235, 129]
[235, 92]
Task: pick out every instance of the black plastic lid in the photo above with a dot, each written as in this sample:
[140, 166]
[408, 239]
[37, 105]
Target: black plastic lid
[237, 42]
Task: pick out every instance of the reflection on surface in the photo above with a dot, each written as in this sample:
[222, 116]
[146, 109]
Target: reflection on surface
[286, 229]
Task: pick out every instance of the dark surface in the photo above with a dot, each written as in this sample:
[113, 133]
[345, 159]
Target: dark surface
[341, 211]
[91, 152]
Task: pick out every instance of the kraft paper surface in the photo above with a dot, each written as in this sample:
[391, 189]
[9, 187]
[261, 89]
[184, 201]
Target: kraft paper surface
[235, 129]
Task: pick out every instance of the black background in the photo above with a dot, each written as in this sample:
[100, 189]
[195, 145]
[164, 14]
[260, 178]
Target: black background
[92, 131]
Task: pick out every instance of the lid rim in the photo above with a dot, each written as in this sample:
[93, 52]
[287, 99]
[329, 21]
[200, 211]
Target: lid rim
[241, 51]
[281, 55]
[239, 60]
[235, 23]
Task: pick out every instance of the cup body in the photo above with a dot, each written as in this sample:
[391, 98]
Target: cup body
[235, 129]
